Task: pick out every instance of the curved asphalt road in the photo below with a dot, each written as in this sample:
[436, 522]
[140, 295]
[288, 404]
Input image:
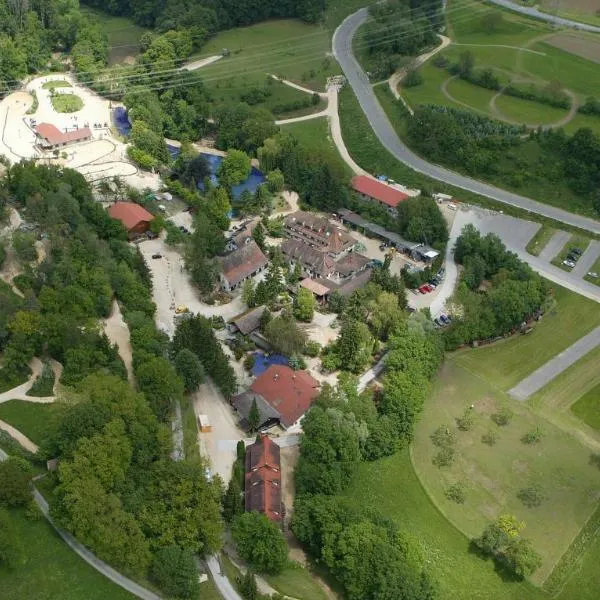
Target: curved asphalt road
[532, 11]
[342, 50]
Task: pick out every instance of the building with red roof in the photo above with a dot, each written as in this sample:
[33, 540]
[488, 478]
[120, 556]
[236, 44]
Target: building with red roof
[50, 137]
[382, 193]
[282, 397]
[134, 217]
[262, 491]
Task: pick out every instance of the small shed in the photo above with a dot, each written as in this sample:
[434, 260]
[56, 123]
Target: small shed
[204, 423]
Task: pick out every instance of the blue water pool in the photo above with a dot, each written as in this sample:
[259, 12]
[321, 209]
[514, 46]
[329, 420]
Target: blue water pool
[263, 362]
[174, 151]
[251, 184]
[122, 121]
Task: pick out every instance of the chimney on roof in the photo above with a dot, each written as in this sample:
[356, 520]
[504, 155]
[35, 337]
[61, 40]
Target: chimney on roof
[276, 377]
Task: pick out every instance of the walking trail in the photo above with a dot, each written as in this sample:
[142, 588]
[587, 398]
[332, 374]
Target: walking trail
[19, 437]
[20, 392]
[118, 333]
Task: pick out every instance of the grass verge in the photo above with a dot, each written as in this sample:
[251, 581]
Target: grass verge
[296, 581]
[579, 242]
[538, 242]
[66, 103]
[595, 269]
[58, 83]
[33, 420]
[587, 408]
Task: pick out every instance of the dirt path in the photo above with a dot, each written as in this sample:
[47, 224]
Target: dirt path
[19, 437]
[118, 333]
[298, 87]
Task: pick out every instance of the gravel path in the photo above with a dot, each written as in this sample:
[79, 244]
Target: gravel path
[554, 367]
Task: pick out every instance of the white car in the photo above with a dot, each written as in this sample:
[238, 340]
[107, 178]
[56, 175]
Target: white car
[568, 263]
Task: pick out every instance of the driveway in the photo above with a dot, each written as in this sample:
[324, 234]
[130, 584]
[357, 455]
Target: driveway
[342, 50]
[554, 367]
[555, 245]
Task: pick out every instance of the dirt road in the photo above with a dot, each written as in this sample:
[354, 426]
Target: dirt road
[118, 333]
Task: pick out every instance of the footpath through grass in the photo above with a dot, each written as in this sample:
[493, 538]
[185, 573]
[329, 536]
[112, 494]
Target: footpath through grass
[51, 569]
[506, 363]
[32, 420]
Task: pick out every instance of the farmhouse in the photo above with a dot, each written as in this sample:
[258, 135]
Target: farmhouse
[382, 193]
[282, 397]
[247, 322]
[134, 217]
[241, 264]
[262, 489]
[50, 137]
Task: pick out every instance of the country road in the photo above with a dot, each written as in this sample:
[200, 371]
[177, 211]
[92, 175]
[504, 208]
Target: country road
[342, 50]
[533, 11]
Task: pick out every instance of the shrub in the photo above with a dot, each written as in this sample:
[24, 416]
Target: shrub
[531, 496]
[489, 438]
[533, 437]
[43, 386]
[440, 61]
[412, 79]
[444, 457]
[466, 422]
[249, 362]
[443, 437]
[312, 348]
[503, 417]
[455, 493]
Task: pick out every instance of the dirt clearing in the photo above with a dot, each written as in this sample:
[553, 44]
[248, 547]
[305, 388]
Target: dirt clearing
[584, 47]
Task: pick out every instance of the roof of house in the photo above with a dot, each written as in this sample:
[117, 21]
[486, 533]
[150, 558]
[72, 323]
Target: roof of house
[314, 286]
[55, 136]
[351, 263]
[318, 230]
[243, 403]
[263, 479]
[241, 263]
[129, 213]
[249, 321]
[319, 262]
[289, 392]
[380, 191]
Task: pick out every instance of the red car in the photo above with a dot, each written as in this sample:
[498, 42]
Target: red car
[423, 289]
[428, 287]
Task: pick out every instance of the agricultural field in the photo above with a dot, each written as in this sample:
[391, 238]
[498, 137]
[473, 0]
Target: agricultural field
[495, 475]
[506, 363]
[584, 11]
[31, 419]
[123, 35]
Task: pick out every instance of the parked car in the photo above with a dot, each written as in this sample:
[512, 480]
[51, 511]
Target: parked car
[572, 257]
[576, 251]
[568, 263]
[423, 290]
[437, 322]
[157, 255]
[428, 288]
[444, 319]
[151, 235]
[181, 309]
[593, 274]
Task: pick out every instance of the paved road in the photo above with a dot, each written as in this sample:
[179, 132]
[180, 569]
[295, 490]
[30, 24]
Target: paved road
[342, 50]
[533, 11]
[555, 244]
[554, 367]
[223, 584]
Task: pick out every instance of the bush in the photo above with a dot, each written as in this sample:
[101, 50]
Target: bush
[249, 362]
[15, 475]
[551, 96]
[175, 572]
[443, 437]
[312, 348]
[444, 457]
[455, 493]
[531, 497]
[533, 437]
[489, 438]
[590, 107]
[503, 417]
[412, 78]
[43, 386]
[141, 158]
[466, 422]
[441, 61]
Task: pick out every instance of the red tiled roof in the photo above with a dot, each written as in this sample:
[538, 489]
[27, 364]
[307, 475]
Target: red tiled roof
[130, 214]
[55, 136]
[314, 286]
[290, 392]
[263, 479]
[380, 191]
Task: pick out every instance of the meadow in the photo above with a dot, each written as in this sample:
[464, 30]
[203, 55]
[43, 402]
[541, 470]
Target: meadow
[31, 419]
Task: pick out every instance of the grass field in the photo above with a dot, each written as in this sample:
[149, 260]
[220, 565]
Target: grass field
[59, 83]
[505, 363]
[532, 113]
[297, 582]
[575, 241]
[123, 35]
[494, 475]
[66, 103]
[470, 95]
[391, 487]
[52, 570]
[587, 408]
[538, 242]
[29, 418]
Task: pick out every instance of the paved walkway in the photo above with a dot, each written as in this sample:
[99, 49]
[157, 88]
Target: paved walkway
[554, 367]
[555, 245]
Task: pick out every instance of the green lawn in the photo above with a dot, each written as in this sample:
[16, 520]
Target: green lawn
[494, 475]
[9, 382]
[579, 121]
[59, 83]
[51, 570]
[430, 91]
[528, 111]
[507, 362]
[29, 418]
[575, 241]
[123, 34]
[66, 103]
[297, 583]
[587, 408]
[391, 487]
[538, 242]
[473, 96]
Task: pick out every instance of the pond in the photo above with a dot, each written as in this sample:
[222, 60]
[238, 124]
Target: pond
[122, 121]
[263, 362]
[255, 179]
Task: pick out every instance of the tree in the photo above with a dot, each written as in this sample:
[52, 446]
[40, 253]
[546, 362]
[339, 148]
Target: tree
[466, 62]
[247, 585]
[260, 542]
[258, 235]
[497, 535]
[175, 572]
[354, 346]
[11, 547]
[232, 500]
[234, 169]
[304, 305]
[521, 558]
[190, 369]
[275, 181]
[219, 206]
[254, 416]
[160, 383]
[15, 477]
[248, 293]
[24, 245]
[284, 335]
